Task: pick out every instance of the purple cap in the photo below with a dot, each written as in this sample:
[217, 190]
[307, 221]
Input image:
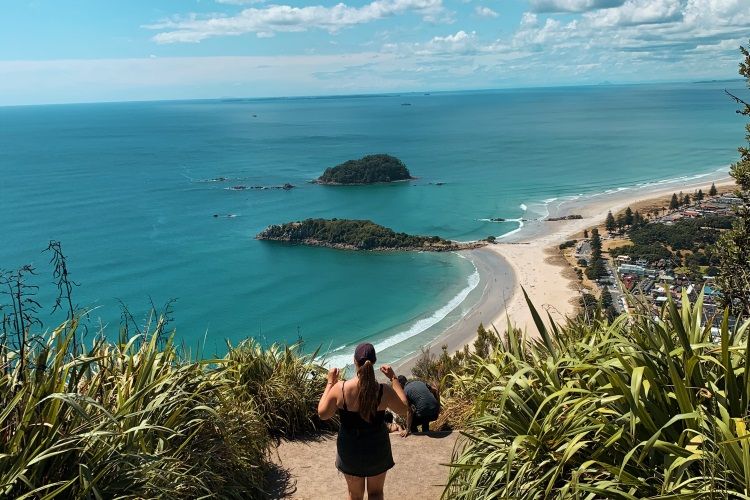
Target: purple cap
[364, 352]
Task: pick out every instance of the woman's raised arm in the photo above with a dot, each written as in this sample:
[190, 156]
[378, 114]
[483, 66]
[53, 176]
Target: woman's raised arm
[328, 402]
[395, 397]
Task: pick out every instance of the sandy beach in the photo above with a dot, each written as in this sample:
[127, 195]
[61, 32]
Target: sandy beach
[537, 266]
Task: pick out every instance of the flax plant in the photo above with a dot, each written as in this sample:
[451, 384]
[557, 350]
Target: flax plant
[283, 381]
[641, 407]
[134, 419]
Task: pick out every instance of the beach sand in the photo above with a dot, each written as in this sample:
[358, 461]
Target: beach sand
[306, 469]
[537, 266]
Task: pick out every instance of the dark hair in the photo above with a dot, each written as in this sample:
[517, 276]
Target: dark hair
[388, 417]
[402, 381]
[368, 391]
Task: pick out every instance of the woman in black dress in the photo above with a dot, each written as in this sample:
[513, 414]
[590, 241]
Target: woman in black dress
[363, 448]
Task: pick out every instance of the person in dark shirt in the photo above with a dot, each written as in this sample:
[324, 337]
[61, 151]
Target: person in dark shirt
[424, 405]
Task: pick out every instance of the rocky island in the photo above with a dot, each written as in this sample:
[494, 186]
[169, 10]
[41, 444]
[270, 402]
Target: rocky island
[370, 169]
[565, 217]
[349, 234]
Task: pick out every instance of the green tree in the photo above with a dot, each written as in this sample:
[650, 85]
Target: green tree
[596, 244]
[713, 191]
[733, 249]
[686, 199]
[699, 195]
[585, 233]
[588, 307]
[628, 217]
[620, 221]
[596, 269]
[638, 219]
[674, 202]
[485, 342]
[606, 303]
[610, 222]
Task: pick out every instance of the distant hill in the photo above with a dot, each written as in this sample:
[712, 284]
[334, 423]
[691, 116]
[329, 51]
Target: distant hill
[369, 169]
[356, 235]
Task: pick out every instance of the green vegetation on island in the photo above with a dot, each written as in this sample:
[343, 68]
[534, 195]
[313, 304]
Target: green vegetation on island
[356, 235]
[369, 169]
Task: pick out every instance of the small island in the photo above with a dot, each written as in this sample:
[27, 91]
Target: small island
[348, 234]
[565, 217]
[370, 169]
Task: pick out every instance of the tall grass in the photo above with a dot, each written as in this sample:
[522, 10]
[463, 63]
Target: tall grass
[134, 419]
[641, 407]
[284, 382]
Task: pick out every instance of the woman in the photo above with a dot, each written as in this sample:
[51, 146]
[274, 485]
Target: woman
[363, 448]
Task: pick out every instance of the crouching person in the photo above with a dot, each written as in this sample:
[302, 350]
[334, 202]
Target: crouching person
[423, 405]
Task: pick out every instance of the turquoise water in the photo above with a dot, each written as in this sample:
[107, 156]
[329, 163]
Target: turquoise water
[120, 186]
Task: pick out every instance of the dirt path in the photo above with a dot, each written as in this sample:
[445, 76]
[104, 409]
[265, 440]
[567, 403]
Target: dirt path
[307, 468]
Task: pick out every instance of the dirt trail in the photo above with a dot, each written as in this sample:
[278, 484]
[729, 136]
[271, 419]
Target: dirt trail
[307, 471]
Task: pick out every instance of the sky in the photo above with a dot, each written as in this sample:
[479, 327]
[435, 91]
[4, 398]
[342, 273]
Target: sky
[59, 51]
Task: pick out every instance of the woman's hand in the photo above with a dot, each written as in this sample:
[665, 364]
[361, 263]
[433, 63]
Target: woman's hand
[388, 372]
[333, 376]
[405, 433]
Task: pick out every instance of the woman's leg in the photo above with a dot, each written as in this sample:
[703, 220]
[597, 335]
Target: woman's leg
[375, 486]
[356, 486]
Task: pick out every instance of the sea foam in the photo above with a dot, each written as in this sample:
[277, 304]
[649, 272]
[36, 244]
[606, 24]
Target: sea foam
[342, 356]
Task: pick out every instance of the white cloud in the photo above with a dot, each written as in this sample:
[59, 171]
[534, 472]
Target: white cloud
[239, 2]
[461, 43]
[483, 11]
[635, 41]
[651, 28]
[572, 5]
[82, 80]
[285, 18]
[636, 12]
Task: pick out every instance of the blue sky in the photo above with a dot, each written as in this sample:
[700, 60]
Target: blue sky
[94, 50]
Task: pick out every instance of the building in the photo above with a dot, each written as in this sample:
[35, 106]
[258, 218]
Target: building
[632, 269]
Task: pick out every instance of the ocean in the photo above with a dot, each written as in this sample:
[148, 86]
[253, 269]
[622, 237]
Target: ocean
[132, 192]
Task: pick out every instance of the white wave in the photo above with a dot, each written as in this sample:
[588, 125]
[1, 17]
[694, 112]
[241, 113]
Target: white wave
[520, 226]
[660, 182]
[523, 207]
[497, 221]
[418, 327]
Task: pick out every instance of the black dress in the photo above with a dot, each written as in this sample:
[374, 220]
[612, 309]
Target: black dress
[363, 448]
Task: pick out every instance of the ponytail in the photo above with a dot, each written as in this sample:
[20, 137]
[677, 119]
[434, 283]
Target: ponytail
[368, 391]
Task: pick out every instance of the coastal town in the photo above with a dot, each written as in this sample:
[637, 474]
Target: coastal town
[635, 261]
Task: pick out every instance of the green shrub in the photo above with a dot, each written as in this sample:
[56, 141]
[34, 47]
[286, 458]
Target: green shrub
[134, 419]
[284, 383]
[639, 407]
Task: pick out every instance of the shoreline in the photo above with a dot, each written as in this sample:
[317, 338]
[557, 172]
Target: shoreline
[536, 264]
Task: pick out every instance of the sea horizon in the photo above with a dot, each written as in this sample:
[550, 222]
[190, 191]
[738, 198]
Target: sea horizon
[375, 93]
